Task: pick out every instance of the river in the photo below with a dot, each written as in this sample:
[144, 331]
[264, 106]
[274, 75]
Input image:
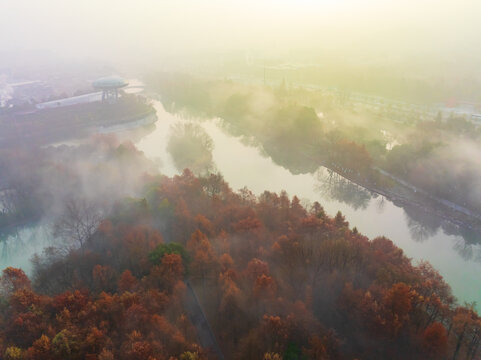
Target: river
[419, 235]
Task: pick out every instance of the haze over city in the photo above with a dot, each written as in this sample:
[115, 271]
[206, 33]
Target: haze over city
[146, 31]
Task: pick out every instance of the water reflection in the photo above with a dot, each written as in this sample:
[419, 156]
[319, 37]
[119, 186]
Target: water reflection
[191, 147]
[380, 204]
[470, 236]
[422, 225]
[468, 251]
[334, 187]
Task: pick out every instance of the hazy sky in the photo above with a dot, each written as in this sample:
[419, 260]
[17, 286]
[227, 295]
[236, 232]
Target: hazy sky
[151, 28]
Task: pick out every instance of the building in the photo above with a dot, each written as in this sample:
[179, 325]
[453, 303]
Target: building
[110, 88]
[476, 119]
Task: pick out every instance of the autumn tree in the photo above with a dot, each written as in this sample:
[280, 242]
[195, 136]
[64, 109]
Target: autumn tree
[435, 340]
[13, 279]
[41, 349]
[127, 282]
[204, 261]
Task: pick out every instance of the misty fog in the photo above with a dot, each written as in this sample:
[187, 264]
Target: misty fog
[213, 179]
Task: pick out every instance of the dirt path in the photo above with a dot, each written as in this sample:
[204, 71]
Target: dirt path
[197, 317]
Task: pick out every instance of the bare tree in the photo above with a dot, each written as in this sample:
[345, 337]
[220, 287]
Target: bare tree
[78, 222]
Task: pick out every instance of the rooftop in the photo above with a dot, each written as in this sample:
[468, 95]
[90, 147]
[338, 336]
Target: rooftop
[109, 82]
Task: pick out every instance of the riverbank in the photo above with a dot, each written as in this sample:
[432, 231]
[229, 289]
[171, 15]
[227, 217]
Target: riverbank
[403, 194]
[37, 128]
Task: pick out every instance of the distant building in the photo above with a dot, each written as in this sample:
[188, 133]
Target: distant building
[471, 111]
[476, 119]
[27, 92]
[110, 87]
[74, 100]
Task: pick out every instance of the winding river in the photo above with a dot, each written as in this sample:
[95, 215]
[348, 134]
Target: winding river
[457, 259]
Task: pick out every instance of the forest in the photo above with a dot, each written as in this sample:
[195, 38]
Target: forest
[275, 279]
[54, 184]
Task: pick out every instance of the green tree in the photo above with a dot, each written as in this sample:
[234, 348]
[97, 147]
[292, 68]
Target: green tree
[156, 255]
